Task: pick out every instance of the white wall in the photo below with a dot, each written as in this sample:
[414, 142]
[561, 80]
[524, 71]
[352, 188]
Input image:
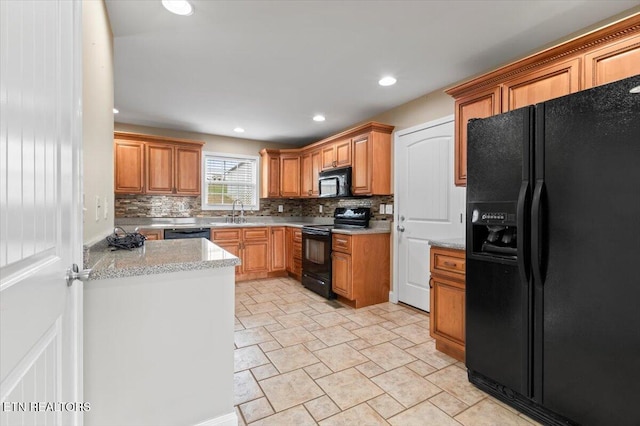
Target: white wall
[97, 121]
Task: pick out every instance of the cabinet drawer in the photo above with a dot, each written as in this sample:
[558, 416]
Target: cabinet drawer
[448, 263]
[297, 236]
[341, 243]
[255, 234]
[225, 234]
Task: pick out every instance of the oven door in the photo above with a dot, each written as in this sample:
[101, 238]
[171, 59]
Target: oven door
[316, 254]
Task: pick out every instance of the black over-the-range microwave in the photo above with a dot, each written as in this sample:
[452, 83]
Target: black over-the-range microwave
[335, 182]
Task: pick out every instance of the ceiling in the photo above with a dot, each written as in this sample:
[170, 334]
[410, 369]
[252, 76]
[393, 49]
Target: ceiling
[270, 66]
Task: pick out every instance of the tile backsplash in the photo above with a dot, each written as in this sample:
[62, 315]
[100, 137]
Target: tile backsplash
[127, 206]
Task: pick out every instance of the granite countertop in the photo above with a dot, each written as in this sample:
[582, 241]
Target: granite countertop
[375, 226]
[159, 257]
[452, 243]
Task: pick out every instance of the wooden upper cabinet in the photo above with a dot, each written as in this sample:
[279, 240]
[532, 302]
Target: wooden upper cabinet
[129, 167]
[541, 85]
[270, 173]
[598, 57]
[173, 169]
[336, 154]
[289, 175]
[371, 162]
[478, 105]
[310, 164]
[612, 63]
[361, 173]
[146, 164]
[188, 170]
[297, 171]
[160, 169]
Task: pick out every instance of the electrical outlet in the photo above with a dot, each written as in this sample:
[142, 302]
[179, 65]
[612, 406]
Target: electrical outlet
[320, 208]
[388, 209]
[97, 208]
[280, 208]
[106, 207]
[381, 208]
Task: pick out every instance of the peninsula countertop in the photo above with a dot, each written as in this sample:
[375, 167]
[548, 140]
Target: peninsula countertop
[159, 257]
[452, 243]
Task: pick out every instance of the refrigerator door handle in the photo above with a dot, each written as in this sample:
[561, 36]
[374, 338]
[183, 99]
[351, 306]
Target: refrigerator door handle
[537, 226]
[523, 200]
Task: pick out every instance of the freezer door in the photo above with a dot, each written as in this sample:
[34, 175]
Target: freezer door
[586, 211]
[497, 281]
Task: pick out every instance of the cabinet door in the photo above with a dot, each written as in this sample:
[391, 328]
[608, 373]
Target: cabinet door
[447, 309]
[342, 153]
[361, 172]
[289, 249]
[232, 247]
[328, 157]
[160, 169]
[306, 175]
[341, 275]
[612, 63]
[548, 83]
[270, 174]
[290, 175]
[316, 166]
[479, 105]
[152, 234]
[255, 256]
[188, 166]
[129, 167]
[278, 249]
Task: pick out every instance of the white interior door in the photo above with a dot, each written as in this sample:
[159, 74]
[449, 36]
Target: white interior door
[428, 204]
[40, 220]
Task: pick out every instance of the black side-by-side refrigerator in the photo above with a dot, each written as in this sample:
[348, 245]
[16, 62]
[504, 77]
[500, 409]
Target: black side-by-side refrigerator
[553, 257]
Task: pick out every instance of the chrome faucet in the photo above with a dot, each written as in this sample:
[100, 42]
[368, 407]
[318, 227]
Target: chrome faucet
[233, 212]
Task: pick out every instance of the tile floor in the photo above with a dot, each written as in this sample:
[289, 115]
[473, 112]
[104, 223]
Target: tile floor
[301, 360]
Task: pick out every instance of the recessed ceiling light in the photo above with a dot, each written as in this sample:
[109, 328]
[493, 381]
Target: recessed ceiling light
[318, 117]
[387, 81]
[179, 7]
[635, 90]
[238, 130]
[115, 111]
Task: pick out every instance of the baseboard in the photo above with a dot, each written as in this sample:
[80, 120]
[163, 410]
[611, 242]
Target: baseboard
[230, 419]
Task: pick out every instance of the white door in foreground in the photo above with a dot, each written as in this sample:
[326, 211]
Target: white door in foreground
[40, 220]
[428, 204]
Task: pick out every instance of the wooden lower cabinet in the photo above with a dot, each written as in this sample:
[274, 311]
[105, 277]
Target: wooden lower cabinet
[278, 248]
[447, 294]
[361, 268]
[256, 247]
[152, 234]
[294, 252]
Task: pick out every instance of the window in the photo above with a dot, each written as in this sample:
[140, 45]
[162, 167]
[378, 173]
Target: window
[229, 177]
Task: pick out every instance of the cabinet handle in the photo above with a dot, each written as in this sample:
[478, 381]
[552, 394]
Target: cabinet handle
[431, 283]
[450, 264]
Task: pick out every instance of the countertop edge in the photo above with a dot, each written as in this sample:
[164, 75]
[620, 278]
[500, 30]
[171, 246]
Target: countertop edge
[450, 243]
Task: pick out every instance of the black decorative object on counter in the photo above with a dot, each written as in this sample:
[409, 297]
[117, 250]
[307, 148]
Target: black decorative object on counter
[125, 240]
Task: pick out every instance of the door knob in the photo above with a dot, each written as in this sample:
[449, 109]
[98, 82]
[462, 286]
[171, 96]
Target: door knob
[400, 228]
[74, 273]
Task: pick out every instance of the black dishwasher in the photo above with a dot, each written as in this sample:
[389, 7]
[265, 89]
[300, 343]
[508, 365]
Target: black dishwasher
[180, 233]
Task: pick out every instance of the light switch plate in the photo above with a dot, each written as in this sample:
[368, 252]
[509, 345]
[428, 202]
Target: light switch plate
[388, 209]
[106, 207]
[280, 208]
[381, 208]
